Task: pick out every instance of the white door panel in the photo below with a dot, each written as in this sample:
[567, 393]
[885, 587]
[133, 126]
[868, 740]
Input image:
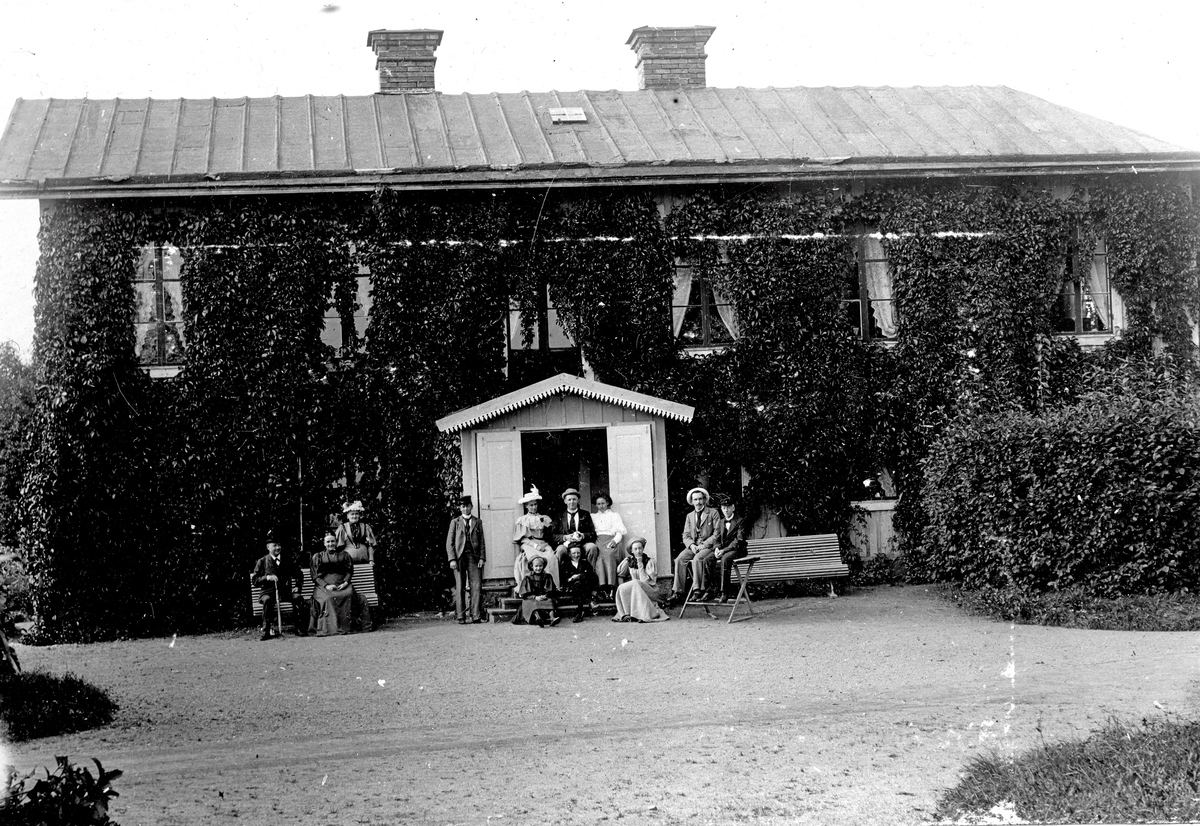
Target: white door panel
[499, 463]
[631, 482]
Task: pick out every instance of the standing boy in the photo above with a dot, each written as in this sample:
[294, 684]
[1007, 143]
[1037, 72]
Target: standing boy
[465, 550]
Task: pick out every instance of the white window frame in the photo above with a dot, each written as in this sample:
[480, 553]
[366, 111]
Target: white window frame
[161, 298]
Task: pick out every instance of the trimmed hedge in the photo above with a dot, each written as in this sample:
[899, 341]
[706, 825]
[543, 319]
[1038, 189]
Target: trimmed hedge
[1103, 493]
[33, 705]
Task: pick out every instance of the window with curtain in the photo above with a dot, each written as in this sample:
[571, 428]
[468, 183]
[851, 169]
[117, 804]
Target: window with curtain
[700, 315]
[867, 291]
[1085, 305]
[346, 334]
[158, 307]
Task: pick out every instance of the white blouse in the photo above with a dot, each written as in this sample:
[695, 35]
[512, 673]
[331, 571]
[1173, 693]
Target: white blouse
[610, 524]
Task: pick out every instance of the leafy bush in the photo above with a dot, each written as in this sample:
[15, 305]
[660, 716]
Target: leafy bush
[69, 796]
[1103, 493]
[33, 704]
[1124, 773]
[16, 603]
[880, 569]
[16, 442]
[1080, 608]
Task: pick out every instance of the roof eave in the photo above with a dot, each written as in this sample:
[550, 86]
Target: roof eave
[589, 175]
[562, 383]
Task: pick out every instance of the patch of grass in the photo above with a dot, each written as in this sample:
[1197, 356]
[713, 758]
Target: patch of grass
[1080, 608]
[1125, 773]
[33, 704]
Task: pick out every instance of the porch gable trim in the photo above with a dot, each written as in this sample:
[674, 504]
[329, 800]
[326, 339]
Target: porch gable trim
[563, 383]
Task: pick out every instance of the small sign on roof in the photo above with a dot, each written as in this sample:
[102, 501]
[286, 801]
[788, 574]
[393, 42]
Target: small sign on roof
[567, 114]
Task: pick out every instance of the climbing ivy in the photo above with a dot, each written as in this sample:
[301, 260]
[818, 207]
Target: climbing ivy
[149, 499]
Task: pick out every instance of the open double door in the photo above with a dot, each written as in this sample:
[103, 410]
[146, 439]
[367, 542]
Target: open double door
[630, 476]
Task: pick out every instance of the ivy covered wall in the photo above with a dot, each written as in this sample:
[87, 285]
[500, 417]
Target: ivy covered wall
[148, 499]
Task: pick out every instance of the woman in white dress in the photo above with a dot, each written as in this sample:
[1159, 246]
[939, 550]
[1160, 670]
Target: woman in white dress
[637, 599]
[610, 530]
[527, 536]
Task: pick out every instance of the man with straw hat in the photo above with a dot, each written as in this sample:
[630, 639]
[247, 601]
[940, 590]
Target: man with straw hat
[698, 531]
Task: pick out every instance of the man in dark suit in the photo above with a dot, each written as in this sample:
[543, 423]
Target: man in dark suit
[275, 573]
[575, 528]
[714, 571]
[697, 536]
[466, 552]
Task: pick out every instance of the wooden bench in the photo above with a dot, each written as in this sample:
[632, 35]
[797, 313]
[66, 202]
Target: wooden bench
[781, 559]
[363, 581]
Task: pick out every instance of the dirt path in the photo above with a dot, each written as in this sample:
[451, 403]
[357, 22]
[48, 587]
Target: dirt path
[846, 711]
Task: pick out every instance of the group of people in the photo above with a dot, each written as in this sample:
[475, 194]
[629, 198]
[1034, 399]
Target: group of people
[335, 608]
[592, 558]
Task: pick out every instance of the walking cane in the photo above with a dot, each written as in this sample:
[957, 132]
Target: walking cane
[278, 609]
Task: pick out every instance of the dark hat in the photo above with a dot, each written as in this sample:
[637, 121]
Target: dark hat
[723, 499]
[272, 538]
[465, 500]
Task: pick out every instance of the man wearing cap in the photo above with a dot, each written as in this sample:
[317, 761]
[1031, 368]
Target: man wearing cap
[698, 531]
[274, 573]
[575, 528]
[465, 550]
[711, 569]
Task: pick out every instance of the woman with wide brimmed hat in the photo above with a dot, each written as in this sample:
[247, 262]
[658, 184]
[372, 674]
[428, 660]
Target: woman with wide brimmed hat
[355, 536]
[527, 536]
[637, 599]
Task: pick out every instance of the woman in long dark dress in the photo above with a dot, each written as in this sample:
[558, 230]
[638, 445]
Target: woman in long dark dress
[333, 596]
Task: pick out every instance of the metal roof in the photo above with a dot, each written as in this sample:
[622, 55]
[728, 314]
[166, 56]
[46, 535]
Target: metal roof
[432, 139]
[561, 384]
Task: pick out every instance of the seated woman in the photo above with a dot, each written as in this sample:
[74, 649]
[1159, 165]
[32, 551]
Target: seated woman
[610, 530]
[578, 582]
[527, 536]
[539, 603]
[637, 599]
[334, 599]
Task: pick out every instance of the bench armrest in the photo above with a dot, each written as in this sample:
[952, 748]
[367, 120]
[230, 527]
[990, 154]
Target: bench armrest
[745, 560]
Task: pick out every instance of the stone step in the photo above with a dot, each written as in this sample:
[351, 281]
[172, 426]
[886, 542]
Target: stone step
[506, 612]
[513, 603]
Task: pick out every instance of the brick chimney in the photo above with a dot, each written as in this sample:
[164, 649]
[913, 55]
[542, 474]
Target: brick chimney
[405, 58]
[670, 57]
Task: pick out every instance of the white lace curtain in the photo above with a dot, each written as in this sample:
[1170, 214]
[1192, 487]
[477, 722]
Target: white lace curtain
[683, 292]
[879, 286]
[1098, 289]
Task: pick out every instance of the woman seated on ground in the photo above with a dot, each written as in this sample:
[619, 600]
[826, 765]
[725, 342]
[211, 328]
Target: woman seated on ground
[578, 583]
[637, 599]
[610, 530]
[539, 604]
[334, 600]
[527, 536]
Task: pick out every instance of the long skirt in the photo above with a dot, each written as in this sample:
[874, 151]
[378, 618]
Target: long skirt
[530, 606]
[529, 549]
[637, 598]
[331, 612]
[606, 562]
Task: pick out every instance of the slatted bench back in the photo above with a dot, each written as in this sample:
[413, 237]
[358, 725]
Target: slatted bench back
[796, 557]
[363, 581]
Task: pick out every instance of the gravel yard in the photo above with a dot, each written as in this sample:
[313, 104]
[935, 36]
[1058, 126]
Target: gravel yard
[832, 711]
